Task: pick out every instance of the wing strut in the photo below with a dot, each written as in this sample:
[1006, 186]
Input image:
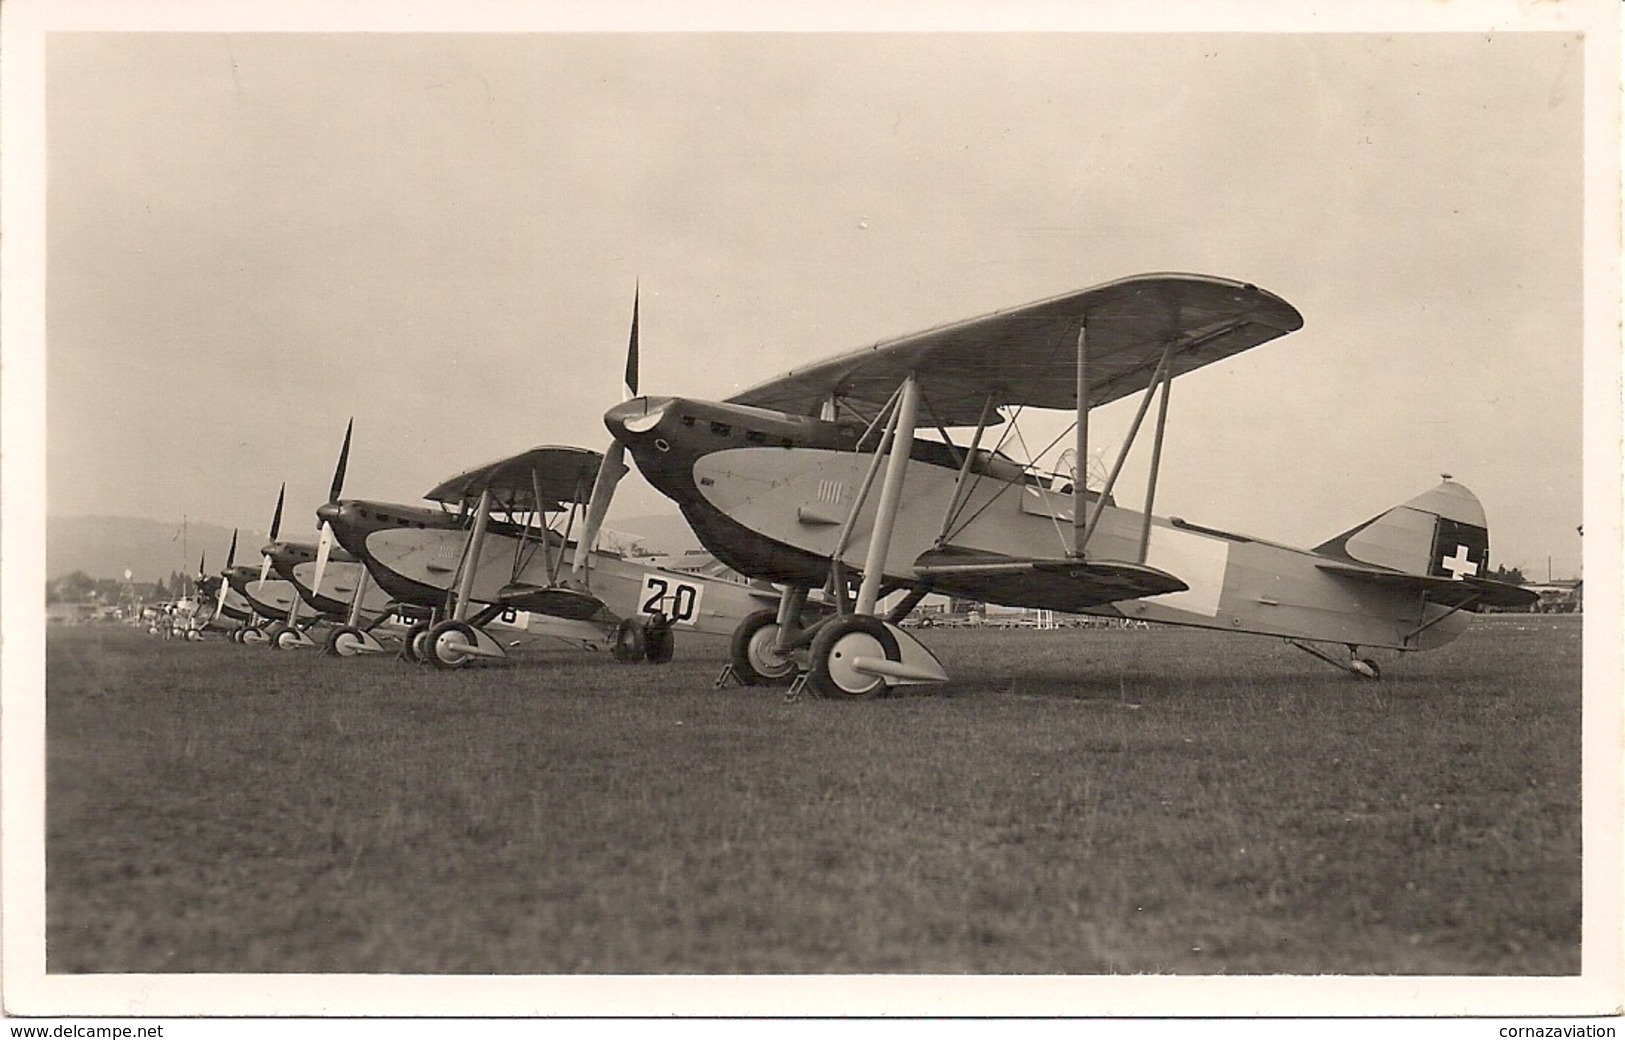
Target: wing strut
[471, 556]
[891, 490]
[547, 554]
[964, 470]
[845, 536]
[1080, 480]
[1128, 442]
[1156, 460]
[576, 509]
[354, 617]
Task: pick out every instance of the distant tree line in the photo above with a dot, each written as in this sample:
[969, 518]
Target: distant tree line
[80, 587]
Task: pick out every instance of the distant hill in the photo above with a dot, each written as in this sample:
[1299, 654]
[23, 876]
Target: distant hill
[104, 546]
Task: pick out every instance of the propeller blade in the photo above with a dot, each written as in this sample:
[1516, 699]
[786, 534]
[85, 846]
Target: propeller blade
[613, 467]
[201, 558]
[231, 554]
[276, 517]
[337, 489]
[632, 352]
[324, 547]
[276, 527]
[610, 472]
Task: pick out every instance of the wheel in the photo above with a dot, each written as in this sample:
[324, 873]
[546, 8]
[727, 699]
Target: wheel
[255, 636]
[194, 635]
[1366, 668]
[344, 641]
[412, 642]
[838, 644]
[752, 653]
[287, 638]
[629, 640]
[659, 641]
[446, 644]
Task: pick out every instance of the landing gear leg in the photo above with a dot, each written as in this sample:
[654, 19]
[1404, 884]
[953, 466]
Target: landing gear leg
[1364, 667]
[753, 657]
[762, 650]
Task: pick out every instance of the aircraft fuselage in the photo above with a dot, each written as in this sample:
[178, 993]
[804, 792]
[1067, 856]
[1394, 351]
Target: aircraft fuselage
[772, 495]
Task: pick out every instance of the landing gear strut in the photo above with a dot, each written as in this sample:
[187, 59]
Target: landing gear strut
[1363, 667]
[754, 656]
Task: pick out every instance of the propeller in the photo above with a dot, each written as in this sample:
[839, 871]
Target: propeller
[276, 528]
[324, 544]
[231, 560]
[613, 467]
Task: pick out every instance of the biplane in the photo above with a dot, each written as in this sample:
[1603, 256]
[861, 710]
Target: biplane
[233, 613]
[512, 546]
[229, 609]
[273, 610]
[816, 479]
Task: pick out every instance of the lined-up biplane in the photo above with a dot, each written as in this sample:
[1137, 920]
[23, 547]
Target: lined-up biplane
[512, 544]
[816, 479]
[229, 609]
[271, 610]
[511, 547]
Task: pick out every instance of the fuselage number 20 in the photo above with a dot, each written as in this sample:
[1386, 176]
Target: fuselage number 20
[677, 599]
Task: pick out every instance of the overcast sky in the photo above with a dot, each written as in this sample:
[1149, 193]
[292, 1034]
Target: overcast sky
[253, 237]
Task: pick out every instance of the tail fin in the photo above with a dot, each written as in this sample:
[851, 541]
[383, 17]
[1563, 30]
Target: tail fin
[1441, 533]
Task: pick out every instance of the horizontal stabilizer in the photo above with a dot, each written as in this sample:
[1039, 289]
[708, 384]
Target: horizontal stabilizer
[1045, 583]
[1467, 592]
[553, 600]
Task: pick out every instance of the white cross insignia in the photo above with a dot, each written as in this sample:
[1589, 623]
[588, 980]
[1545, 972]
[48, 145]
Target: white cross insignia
[1459, 565]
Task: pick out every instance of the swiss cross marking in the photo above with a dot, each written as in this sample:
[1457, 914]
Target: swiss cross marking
[1459, 565]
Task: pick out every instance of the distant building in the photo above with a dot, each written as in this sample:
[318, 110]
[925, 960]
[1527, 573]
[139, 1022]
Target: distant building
[1557, 597]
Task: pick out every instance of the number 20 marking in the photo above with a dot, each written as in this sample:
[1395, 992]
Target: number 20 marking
[678, 600]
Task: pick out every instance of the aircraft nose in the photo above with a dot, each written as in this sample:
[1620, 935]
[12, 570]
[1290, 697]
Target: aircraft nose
[329, 512]
[637, 416]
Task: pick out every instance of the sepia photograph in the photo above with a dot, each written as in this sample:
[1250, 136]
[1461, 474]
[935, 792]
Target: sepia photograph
[945, 510]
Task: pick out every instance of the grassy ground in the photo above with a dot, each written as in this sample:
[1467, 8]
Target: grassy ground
[1076, 801]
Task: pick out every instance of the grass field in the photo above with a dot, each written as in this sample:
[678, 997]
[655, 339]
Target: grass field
[1077, 801]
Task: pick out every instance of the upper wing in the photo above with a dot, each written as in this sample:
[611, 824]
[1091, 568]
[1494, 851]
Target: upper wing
[1028, 355]
[543, 478]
